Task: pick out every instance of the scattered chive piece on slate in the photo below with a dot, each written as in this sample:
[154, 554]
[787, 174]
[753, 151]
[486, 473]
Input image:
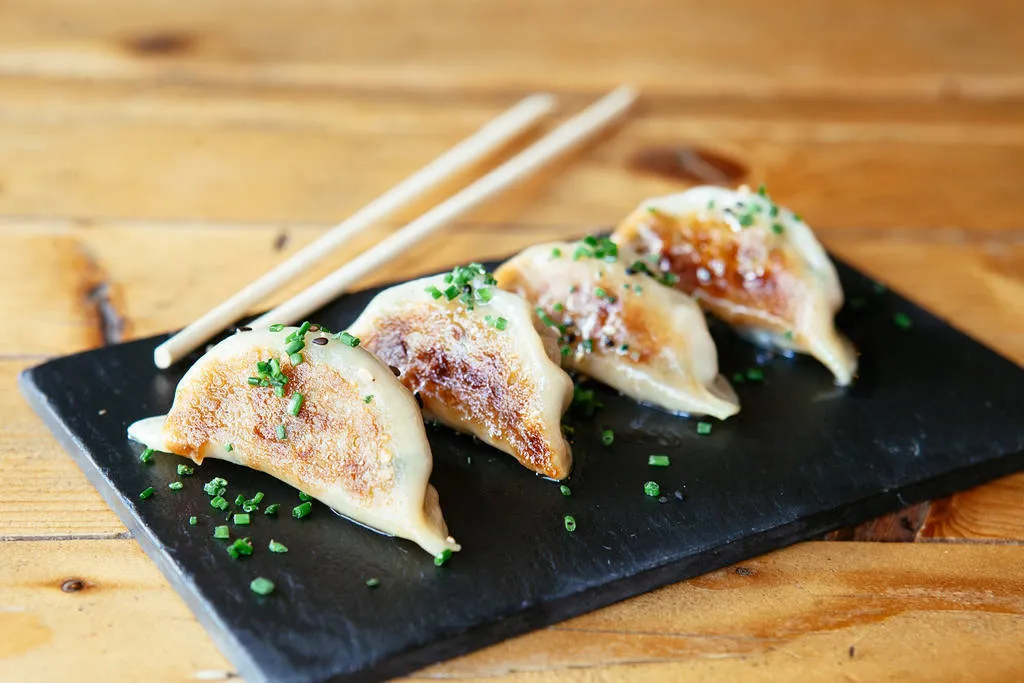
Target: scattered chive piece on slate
[738, 378]
[239, 499]
[221, 531]
[566, 491]
[276, 547]
[703, 428]
[281, 433]
[570, 523]
[258, 498]
[184, 470]
[348, 339]
[295, 404]
[755, 375]
[175, 486]
[272, 509]
[439, 560]
[146, 493]
[858, 302]
[300, 511]
[146, 455]
[241, 546]
[193, 520]
[261, 586]
[372, 583]
[219, 503]
[902, 321]
[658, 460]
[276, 327]
[214, 486]
[879, 288]
[241, 518]
[607, 437]
[652, 489]
[303, 496]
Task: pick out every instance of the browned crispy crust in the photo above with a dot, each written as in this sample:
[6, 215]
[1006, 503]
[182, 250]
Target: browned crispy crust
[483, 389]
[336, 440]
[711, 264]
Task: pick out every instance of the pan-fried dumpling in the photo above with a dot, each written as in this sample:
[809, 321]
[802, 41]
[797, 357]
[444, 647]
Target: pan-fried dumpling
[621, 326]
[328, 419]
[751, 263]
[478, 361]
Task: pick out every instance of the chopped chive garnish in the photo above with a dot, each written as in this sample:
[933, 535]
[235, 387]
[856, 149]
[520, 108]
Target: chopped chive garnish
[797, 218]
[588, 345]
[703, 428]
[445, 555]
[276, 547]
[281, 432]
[300, 511]
[279, 391]
[146, 455]
[372, 583]
[272, 509]
[241, 546]
[788, 334]
[146, 493]
[879, 288]
[570, 523]
[658, 460]
[777, 228]
[497, 322]
[738, 378]
[434, 292]
[600, 293]
[301, 332]
[368, 398]
[652, 489]
[755, 375]
[294, 406]
[296, 359]
[858, 302]
[239, 499]
[221, 531]
[565, 350]
[273, 367]
[219, 503]
[711, 204]
[558, 307]
[193, 520]
[175, 486]
[451, 292]
[584, 400]
[241, 518]
[276, 327]
[485, 294]
[566, 491]
[227, 447]
[261, 586]
[254, 381]
[902, 321]
[249, 506]
[295, 347]
[607, 437]
[762, 191]
[348, 339]
[303, 496]
[214, 485]
[556, 253]
[568, 430]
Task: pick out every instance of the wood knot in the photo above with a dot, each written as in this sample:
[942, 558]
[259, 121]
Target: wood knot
[160, 44]
[690, 164]
[72, 585]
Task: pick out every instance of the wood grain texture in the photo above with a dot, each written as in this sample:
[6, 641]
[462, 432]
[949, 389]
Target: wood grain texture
[155, 157]
[847, 48]
[818, 611]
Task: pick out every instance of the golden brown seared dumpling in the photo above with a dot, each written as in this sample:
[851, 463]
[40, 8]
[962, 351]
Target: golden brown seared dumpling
[752, 263]
[477, 361]
[355, 440]
[621, 326]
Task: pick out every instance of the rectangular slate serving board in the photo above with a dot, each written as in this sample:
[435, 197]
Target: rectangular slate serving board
[933, 412]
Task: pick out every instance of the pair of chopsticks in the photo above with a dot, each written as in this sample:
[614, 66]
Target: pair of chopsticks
[495, 133]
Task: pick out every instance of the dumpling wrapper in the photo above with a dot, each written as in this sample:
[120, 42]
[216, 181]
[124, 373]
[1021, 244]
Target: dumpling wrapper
[624, 328]
[770, 278]
[368, 460]
[503, 386]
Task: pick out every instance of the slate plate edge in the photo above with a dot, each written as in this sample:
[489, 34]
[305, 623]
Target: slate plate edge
[535, 616]
[221, 635]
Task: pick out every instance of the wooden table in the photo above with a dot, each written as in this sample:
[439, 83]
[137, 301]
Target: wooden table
[156, 156]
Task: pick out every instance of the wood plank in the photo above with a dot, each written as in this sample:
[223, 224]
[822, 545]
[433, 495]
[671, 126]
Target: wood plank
[993, 512]
[44, 493]
[818, 611]
[852, 48]
[249, 155]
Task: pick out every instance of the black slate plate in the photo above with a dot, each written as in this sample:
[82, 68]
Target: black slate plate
[933, 412]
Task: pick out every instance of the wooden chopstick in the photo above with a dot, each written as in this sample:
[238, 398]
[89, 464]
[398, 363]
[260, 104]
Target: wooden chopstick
[570, 134]
[491, 136]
